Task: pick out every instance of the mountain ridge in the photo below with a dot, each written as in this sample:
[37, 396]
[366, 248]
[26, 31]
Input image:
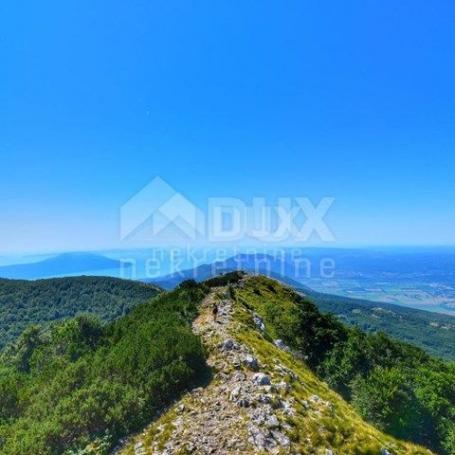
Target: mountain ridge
[300, 381]
[261, 399]
[431, 331]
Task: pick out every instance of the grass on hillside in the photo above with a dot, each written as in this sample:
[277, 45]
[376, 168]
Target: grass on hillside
[318, 425]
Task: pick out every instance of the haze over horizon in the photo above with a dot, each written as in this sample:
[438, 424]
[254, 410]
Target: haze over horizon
[354, 101]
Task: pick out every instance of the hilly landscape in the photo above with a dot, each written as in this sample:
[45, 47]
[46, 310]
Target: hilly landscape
[433, 332]
[270, 375]
[42, 302]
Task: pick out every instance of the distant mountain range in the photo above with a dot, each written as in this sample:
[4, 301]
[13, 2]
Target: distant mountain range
[263, 264]
[60, 265]
[431, 331]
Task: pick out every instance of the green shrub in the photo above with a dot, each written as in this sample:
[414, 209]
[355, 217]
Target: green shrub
[80, 385]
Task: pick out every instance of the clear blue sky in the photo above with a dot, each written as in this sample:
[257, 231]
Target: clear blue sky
[352, 99]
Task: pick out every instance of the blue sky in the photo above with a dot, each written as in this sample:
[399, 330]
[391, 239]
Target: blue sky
[353, 100]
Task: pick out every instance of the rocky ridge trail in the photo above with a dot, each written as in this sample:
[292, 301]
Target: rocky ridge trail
[261, 399]
[236, 412]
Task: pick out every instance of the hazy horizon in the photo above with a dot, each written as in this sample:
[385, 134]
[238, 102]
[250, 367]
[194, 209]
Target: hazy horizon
[398, 247]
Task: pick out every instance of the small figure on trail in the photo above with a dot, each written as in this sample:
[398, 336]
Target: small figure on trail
[215, 311]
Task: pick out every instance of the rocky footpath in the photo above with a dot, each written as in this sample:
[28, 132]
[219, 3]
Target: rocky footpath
[240, 411]
[236, 412]
[260, 399]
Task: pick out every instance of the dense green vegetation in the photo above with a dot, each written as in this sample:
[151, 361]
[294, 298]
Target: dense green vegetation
[80, 383]
[397, 387]
[433, 332]
[226, 279]
[23, 303]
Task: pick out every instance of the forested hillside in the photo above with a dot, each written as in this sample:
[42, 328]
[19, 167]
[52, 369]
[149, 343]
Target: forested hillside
[433, 332]
[79, 386]
[83, 383]
[23, 303]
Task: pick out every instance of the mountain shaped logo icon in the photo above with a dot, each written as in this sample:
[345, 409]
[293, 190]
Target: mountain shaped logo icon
[158, 206]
